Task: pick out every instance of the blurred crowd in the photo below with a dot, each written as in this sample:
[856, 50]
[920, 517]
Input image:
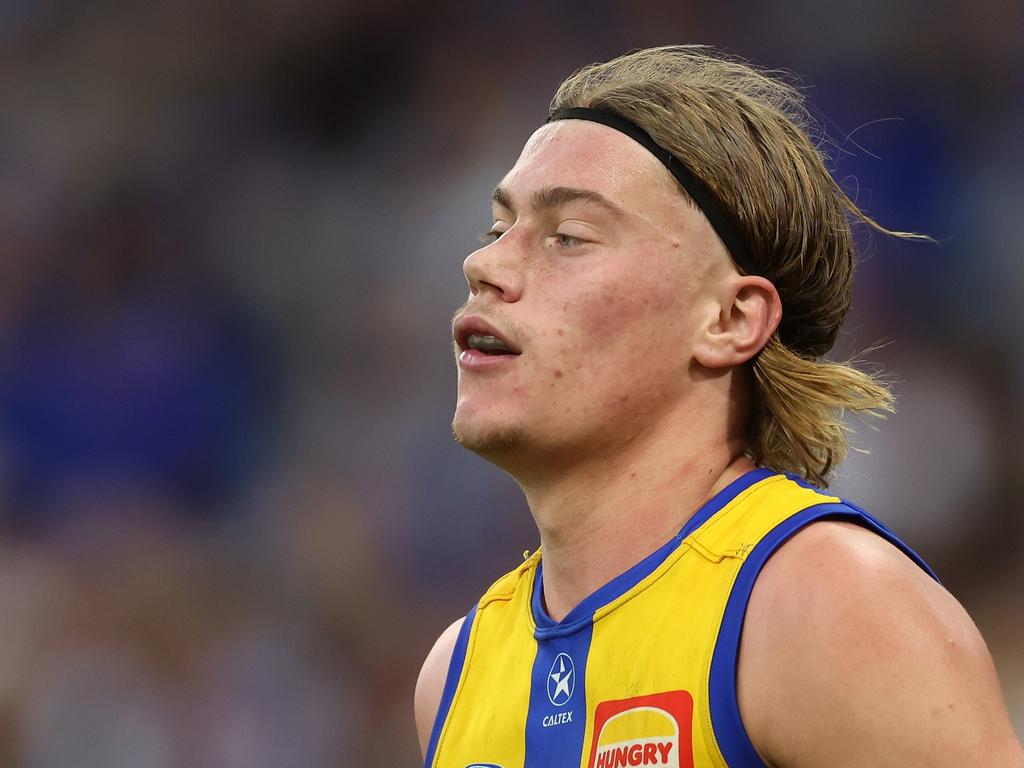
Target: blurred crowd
[232, 519]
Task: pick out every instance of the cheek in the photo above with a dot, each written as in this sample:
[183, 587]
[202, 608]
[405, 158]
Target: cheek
[634, 320]
[610, 340]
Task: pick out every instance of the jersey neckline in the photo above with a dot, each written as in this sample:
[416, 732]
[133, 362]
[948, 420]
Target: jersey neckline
[583, 614]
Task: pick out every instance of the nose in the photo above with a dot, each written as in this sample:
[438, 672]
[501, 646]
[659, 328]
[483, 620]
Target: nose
[495, 268]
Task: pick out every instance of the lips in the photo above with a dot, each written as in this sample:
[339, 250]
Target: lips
[482, 347]
[469, 326]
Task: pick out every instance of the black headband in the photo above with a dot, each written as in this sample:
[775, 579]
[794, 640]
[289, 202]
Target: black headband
[700, 194]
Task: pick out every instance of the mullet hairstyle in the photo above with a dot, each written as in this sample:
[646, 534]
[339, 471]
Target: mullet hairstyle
[745, 134]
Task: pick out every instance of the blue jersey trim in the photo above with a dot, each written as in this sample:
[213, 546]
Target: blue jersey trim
[582, 615]
[730, 733]
[451, 684]
[556, 720]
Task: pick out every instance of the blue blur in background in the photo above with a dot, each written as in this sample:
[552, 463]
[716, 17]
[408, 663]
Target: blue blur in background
[232, 519]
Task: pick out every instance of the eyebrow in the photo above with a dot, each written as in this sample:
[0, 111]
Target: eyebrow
[549, 198]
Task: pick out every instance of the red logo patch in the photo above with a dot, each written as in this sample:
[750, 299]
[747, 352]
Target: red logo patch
[650, 730]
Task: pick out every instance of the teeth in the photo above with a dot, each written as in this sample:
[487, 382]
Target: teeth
[487, 343]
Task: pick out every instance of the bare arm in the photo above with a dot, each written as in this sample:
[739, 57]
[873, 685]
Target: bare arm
[430, 683]
[852, 656]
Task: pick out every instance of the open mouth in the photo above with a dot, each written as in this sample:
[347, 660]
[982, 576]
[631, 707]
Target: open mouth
[488, 344]
[478, 340]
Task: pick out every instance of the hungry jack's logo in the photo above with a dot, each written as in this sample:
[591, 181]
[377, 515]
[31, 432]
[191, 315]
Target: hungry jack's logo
[650, 730]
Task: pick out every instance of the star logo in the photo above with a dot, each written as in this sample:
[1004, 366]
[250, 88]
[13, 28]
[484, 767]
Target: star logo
[561, 679]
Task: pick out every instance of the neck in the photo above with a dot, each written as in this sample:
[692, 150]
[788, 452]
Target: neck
[601, 516]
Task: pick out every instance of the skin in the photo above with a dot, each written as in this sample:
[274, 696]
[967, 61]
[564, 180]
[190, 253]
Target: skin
[630, 392]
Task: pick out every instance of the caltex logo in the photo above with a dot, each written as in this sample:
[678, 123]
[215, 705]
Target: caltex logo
[561, 679]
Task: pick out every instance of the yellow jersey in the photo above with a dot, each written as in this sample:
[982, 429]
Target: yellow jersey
[643, 671]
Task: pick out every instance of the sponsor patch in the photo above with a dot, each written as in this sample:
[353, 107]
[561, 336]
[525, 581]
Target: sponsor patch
[561, 679]
[653, 730]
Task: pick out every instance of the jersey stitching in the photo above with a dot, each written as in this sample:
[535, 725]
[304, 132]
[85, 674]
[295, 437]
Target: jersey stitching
[731, 507]
[644, 584]
[687, 544]
[503, 597]
[523, 570]
[740, 552]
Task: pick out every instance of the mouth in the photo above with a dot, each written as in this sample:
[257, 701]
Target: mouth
[481, 345]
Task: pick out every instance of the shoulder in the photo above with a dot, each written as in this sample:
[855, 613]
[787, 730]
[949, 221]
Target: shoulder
[852, 655]
[430, 683]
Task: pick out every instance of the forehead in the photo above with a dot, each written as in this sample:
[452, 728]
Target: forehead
[586, 155]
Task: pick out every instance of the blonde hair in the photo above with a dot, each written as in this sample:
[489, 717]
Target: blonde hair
[746, 134]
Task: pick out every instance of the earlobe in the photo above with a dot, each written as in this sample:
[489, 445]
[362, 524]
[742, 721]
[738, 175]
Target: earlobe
[749, 313]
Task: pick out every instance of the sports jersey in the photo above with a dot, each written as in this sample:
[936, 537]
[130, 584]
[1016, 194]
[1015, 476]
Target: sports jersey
[643, 671]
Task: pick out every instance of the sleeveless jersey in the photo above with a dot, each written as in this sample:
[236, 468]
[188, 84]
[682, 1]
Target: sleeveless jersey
[643, 671]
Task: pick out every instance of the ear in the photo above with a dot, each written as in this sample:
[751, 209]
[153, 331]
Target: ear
[749, 312]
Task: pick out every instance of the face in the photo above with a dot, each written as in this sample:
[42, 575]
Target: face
[601, 275]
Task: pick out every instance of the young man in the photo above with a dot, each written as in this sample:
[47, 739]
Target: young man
[641, 350]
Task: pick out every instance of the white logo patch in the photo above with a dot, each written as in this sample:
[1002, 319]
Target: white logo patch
[561, 680]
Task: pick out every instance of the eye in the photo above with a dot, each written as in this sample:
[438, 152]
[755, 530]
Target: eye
[491, 235]
[562, 240]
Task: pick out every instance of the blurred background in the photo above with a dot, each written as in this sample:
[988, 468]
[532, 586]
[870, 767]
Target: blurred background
[232, 520]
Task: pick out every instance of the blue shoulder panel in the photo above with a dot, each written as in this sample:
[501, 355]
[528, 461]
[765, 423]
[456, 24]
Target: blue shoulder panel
[451, 683]
[732, 737]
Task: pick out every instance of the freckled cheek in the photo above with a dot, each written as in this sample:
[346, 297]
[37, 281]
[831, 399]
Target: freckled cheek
[611, 351]
[631, 323]
[604, 334]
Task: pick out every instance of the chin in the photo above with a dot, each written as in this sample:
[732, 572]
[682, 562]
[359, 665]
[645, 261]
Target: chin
[489, 440]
